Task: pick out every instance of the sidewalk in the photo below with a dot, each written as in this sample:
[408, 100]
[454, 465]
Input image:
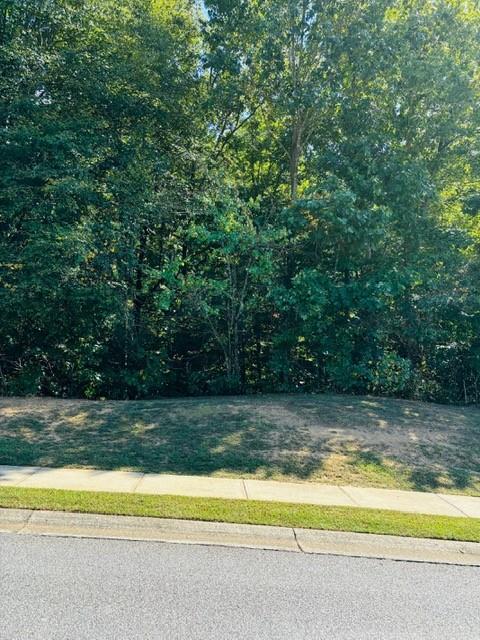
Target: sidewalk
[263, 490]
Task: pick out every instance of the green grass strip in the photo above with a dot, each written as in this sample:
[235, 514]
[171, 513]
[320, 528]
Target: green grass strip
[245, 511]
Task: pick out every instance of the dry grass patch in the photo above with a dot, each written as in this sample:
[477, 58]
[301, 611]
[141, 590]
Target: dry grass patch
[328, 438]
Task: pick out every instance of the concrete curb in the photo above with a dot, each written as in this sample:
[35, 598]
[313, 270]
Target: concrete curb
[84, 525]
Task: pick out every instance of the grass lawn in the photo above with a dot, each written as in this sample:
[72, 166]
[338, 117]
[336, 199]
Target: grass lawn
[247, 512]
[360, 440]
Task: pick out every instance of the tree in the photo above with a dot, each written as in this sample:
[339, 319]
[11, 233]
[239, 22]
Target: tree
[238, 197]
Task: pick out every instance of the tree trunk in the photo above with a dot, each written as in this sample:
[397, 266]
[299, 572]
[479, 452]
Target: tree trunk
[138, 297]
[295, 154]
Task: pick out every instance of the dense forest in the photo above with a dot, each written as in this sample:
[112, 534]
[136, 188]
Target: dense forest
[240, 196]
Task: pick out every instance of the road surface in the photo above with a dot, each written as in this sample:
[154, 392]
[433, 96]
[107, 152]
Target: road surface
[67, 588]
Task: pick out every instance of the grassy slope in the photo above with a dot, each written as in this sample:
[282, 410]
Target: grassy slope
[243, 511]
[340, 439]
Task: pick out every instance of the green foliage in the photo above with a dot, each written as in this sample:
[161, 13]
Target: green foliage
[250, 196]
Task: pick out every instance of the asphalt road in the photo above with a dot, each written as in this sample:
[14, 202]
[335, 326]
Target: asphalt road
[67, 588]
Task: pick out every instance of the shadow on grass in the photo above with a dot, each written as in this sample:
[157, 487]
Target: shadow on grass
[268, 436]
[427, 480]
[189, 444]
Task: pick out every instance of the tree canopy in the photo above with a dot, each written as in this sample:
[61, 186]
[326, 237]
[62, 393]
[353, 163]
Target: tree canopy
[240, 196]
